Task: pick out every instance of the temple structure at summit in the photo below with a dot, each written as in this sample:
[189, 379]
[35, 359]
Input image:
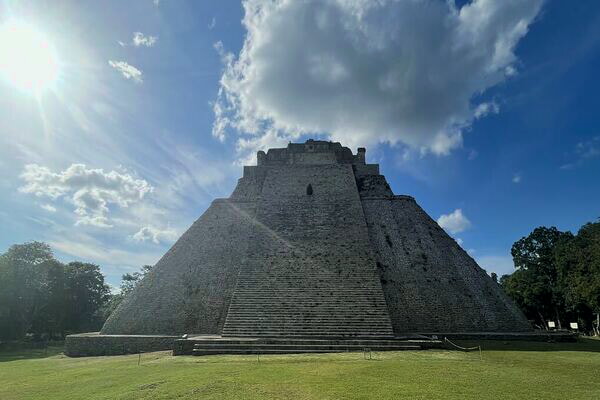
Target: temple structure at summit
[313, 243]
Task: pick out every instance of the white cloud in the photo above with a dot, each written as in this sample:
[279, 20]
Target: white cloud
[459, 241]
[584, 151]
[454, 222]
[139, 39]
[128, 71]
[484, 109]
[91, 191]
[156, 235]
[48, 208]
[517, 178]
[364, 72]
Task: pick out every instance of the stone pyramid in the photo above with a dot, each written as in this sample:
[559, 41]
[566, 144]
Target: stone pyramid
[313, 242]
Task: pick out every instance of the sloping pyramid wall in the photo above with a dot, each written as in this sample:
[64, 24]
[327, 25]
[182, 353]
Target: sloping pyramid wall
[190, 288]
[345, 259]
[430, 283]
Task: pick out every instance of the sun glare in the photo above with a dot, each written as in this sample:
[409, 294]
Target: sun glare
[27, 59]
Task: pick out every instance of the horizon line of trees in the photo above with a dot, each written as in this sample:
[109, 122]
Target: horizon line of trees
[44, 299]
[556, 278]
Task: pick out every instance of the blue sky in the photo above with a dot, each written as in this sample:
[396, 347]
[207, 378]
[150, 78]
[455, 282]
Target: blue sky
[488, 108]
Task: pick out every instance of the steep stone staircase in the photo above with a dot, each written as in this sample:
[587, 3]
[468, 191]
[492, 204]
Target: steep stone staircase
[307, 301]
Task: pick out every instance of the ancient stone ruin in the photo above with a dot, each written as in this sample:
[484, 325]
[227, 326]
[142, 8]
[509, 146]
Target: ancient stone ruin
[313, 243]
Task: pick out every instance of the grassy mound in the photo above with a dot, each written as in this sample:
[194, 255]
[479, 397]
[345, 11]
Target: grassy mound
[509, 370]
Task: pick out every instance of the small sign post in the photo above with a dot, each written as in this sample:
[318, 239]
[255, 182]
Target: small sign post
[574, 326]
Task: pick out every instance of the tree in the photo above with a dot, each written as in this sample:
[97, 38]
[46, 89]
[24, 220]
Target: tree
[30, 276]
[578, 267]
[86, 294]
[130, 281]
[534, 285]
[45, 298]
[494, 277]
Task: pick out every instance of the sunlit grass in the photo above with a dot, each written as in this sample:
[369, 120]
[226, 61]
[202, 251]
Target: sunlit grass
[506, 370]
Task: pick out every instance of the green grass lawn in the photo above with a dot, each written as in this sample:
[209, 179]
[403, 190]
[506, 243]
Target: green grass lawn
[508, 370]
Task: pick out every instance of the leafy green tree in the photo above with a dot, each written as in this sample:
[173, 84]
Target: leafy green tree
[41, 296]
[578, 264]
[30, 276]
[534, 285]
[130, 281]
[86, 294]
[494, 277]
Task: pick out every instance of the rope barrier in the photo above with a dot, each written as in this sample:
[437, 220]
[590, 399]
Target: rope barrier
[465, 348]
[460, 347]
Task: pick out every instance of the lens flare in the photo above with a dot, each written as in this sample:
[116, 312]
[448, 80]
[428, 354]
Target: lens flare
[28, 60]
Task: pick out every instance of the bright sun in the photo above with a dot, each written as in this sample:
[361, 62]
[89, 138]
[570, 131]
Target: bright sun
[27, 59]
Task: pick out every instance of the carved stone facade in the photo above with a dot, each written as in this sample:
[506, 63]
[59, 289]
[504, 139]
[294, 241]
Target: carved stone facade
[312, 242]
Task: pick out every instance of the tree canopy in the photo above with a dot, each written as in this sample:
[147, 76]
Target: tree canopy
[41, 296]
[557, 275]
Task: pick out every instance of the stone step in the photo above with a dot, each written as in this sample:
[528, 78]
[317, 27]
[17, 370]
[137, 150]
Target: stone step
[305, 318]
[303, 301]
[294, 341]
[308, 325]
[294, 350]
[305, 333]
[311, 324]
[208, 352]
[266, 294]
[262, 331]
[350, 281]
[308, 285]
[325, 306]
[298, 311]
[299, 345]
[245, 302]
[273, 294]
[310, 328]
[321, 322]
[324, 310]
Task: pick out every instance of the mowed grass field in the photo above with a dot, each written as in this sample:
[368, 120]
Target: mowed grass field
[507, 370]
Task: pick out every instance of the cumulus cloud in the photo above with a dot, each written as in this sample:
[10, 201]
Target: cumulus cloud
[154, 234]
[91, 191]
[455, 222]
[127, 70]
[365, 72]
[139, 39]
